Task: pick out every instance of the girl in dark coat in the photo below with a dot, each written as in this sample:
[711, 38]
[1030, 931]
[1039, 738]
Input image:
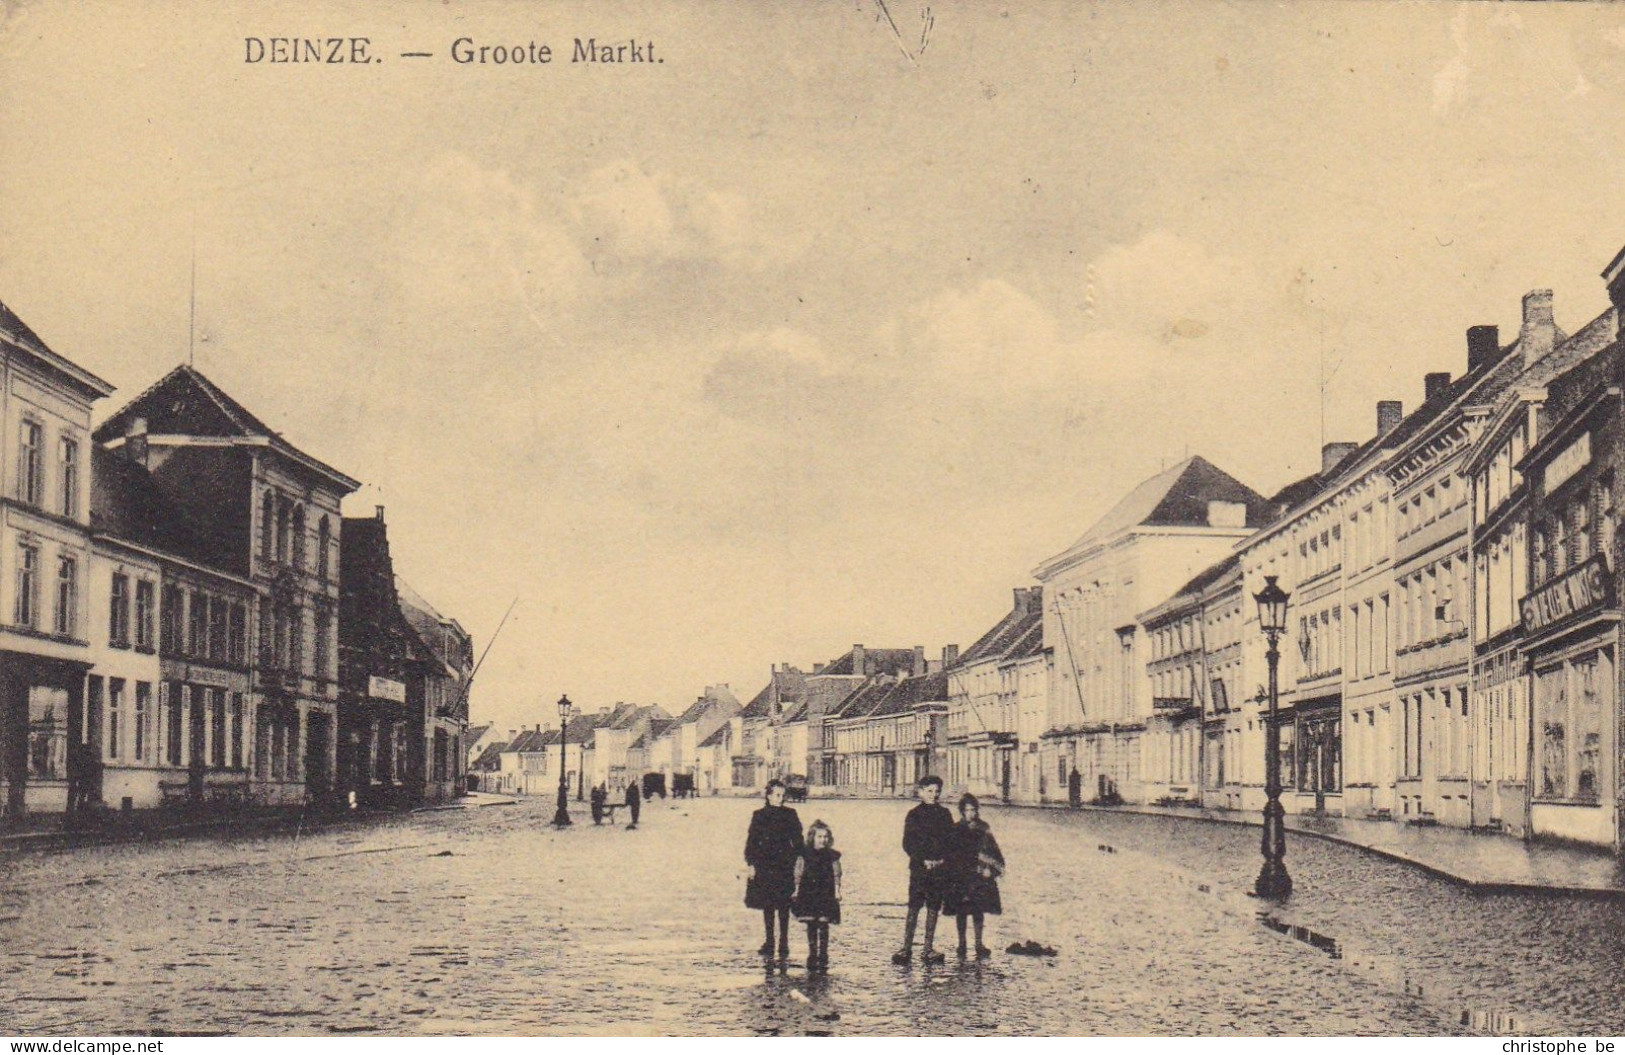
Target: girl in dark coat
[772, 848]
[817, 901]
[974, 865]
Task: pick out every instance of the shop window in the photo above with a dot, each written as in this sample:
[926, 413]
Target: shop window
[47, 733]
[115, 717]
[217, 728]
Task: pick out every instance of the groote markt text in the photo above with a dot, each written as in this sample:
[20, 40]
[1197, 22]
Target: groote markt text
[465, 51]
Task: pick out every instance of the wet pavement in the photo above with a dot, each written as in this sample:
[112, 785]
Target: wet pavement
[487, 921]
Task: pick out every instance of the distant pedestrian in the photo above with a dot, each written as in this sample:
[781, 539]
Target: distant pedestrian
[772, 848]
[817, 900]
[973, 868]
[598, 797]
[927, 833]
[1074, 788]
[634, 803]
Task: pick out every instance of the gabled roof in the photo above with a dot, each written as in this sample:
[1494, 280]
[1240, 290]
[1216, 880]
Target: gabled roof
[1190, 593]
[185, 403]
[476, 731]
[1176, 497]
[717, 736]
[797, 713]
[530, 740]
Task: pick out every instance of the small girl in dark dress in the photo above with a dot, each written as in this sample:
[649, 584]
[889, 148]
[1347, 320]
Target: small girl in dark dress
[974, 865]
[817, 900]
[772, 852]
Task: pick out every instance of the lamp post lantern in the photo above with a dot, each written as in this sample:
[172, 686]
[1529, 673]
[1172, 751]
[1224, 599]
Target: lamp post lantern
[1273, 881]
[561, 817]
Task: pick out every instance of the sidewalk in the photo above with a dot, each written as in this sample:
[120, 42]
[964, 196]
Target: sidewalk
[1482, 861]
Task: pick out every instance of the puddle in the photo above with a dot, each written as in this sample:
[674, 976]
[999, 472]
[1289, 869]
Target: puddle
[1386, 971]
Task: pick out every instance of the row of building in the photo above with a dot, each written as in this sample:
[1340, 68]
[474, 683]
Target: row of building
[187, 618]
[1452, 656]
[610, 748]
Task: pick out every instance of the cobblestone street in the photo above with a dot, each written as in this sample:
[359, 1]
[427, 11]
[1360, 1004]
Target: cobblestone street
[487, 921]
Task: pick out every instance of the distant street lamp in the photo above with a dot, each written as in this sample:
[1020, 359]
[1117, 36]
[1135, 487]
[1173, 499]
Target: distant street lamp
[561, 818]
[930, 744]
[1273, 882]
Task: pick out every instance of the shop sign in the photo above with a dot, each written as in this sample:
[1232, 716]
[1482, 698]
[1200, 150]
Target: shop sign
[1569, 460]
[213, 678]
[1579, 590]
[386, 689]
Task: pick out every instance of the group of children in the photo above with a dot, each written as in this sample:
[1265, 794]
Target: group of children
[952, 868]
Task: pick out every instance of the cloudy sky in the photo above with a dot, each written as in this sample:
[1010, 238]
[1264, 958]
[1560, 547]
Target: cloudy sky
[816, 332]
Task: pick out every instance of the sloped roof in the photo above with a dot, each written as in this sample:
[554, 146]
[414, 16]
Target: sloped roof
[184, 402]
[20, 335]
[760, 705]
[476, 731]
[1193, 590]
[998, 641]
[796, 713]
[127, 503]
[490, 758]
[875, 661]
[717, 736]
[1175, 497]
[1031, 643]
[910, 692]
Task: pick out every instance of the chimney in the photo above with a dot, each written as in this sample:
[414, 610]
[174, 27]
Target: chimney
[1021, 599]
[919, 660]
[1035, 599]
[378, 513]
[950, 656]
[1390, 412]
[512, 735]
[858, 658]
[1433, 386]
[1538, 334]
[1483, 345]
[1332, 455]
[135, 442]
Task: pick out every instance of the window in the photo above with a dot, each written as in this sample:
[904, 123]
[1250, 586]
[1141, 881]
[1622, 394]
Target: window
[197, 638]
[143, 613]
[70, 477]
[323, 544]
[118, 614]
[173, 618]
[115, 707]
[237, 635]
[26, 609]
[322, 650]
[143, 715]
[283, 514]
[267, 526]
[67, 595]
[299, 538]
[30, 468]
[47, 733]
[236, 730]
[171, 694]
[217, 629]
[217, 728]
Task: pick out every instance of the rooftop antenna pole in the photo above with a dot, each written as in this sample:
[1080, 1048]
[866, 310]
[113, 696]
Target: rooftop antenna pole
[191, 322]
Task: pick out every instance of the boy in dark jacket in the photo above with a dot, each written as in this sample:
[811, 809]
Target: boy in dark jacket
[928, 832]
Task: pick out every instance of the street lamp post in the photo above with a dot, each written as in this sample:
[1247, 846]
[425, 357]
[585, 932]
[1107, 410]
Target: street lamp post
[561, 817]
[1273, 882]
[930, 743]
